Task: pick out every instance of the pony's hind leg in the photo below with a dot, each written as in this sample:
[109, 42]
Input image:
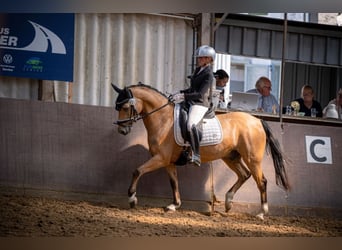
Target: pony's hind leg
[172, 172]
[261, 182]
[235, 162]
[243, 172]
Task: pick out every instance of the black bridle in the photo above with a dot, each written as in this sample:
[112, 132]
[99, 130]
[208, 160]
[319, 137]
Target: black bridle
[133, 114]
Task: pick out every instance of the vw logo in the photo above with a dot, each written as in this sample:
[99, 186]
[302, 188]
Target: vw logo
[8, 59]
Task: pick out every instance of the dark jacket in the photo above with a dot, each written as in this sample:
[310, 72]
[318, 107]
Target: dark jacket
[315, 104]
[198, 93]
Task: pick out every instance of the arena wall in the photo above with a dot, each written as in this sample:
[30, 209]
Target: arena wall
[76, 148]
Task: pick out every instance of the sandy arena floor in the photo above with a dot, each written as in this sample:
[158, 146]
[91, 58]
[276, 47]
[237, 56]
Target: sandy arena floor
[36, 216]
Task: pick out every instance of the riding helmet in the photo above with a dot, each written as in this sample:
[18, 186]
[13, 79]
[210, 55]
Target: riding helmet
[205, 51]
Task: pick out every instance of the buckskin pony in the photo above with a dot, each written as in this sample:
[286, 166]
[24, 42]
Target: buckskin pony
[245, 139]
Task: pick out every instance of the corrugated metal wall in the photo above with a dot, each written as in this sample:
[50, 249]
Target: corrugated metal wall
[313, 52]
[119, 48]
[21, 88]
[263, 37]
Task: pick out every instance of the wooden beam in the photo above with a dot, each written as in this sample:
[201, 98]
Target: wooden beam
[220, 21]
[46, 91]
[205, 31]
[69, 92]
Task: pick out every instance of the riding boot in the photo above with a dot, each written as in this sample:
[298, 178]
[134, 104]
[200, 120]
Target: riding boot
[195, 144]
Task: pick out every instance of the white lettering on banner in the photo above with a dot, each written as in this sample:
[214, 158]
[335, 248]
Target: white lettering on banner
[4, 31]
[8, 40]
[40, 43]
[318, 149]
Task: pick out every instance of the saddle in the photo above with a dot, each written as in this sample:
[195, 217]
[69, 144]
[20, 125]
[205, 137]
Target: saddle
[210, 129]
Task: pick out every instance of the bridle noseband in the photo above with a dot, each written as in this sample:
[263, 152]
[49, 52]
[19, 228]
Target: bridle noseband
[133, 114]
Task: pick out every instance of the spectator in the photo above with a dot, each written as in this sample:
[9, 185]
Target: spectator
[307, 102]
[222, 78]
[267, 102]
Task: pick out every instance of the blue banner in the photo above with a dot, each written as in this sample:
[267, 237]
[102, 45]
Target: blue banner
[37, 46]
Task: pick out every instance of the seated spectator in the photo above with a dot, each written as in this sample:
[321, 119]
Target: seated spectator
[307, 102]
[334, 104]
[222, 78]
[267, 102]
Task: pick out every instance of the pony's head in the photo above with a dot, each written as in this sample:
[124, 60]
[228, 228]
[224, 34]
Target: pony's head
[125, 104]
[137, 102]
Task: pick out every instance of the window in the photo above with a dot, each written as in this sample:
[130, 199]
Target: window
[245, 71]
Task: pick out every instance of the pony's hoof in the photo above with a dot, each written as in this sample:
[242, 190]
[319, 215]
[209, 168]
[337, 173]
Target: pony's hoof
[133, 201]
[171, 208]
[260, 216]
[228, 206]
[132, 204]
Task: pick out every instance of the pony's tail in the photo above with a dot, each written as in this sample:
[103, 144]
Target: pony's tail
[277, 156]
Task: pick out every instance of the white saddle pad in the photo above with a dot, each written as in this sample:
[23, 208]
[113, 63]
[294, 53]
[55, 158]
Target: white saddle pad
[212, 130]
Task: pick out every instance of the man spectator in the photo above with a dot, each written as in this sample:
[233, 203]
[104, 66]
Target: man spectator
[267, 102]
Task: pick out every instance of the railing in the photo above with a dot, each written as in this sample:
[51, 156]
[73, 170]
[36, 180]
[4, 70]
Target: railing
[290, 118]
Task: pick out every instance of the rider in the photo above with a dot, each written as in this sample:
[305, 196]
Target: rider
[197, 96]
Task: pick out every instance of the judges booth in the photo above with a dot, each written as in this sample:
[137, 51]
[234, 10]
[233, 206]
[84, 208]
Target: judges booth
[309, 52]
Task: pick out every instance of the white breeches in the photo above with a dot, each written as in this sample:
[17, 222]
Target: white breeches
[196, 114]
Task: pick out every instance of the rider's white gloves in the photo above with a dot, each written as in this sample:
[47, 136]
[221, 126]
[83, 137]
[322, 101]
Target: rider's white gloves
[178, 97]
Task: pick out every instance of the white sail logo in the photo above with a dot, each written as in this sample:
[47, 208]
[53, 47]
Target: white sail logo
[41, 41]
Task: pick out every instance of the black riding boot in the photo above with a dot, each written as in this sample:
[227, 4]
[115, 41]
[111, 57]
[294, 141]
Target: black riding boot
[195, 145]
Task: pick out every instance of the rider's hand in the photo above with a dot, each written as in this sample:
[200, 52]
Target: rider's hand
[178, 97]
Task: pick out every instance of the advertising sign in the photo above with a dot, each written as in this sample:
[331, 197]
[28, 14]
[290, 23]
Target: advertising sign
[37, 46]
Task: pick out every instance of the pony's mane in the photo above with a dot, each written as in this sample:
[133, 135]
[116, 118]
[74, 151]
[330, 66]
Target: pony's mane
[140, 84]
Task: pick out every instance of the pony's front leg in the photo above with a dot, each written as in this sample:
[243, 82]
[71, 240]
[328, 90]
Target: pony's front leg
[132, 190]
[154, 163]
[172, 172]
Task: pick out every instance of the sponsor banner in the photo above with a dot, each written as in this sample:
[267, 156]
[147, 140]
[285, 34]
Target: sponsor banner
[37, 46]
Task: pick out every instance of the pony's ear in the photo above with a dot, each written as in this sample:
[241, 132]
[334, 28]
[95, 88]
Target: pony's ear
[117, 89]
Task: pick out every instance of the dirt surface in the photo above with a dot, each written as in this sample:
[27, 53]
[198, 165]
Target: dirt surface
[37, 216]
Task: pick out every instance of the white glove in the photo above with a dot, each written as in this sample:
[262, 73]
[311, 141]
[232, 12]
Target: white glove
[178, 97]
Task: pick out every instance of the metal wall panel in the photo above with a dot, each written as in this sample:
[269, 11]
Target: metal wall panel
[128, 48]
[123, 49]
[21, 88]
[263, 37]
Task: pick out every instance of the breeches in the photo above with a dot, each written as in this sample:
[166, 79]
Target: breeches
[196, 113]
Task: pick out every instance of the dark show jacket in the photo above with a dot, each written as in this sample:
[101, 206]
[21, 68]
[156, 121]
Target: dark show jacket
[315, 104]
[198, 93]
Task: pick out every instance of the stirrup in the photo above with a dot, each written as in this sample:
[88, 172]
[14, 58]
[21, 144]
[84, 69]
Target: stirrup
[196, 159]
